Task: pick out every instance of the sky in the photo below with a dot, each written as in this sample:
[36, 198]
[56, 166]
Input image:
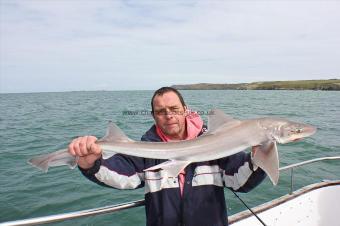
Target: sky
[74, 45]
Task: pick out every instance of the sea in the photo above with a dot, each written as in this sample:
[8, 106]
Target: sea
[36, 123]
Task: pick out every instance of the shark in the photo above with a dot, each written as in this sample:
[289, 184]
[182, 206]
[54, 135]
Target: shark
[225, 136]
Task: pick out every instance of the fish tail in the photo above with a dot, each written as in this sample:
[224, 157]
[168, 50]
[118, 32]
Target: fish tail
[59, 158]
[41, 162]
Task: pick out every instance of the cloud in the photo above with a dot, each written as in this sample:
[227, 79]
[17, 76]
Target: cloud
[125, 43]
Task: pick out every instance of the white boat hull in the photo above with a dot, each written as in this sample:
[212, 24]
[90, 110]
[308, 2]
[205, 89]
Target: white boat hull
[314, 205]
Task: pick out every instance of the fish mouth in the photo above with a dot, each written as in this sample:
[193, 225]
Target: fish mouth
[307, 131]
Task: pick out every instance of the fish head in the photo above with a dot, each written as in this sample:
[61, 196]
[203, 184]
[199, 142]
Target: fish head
[285, 131]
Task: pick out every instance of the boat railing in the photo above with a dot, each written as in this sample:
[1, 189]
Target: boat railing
[73, 215]
[133, 204]
[299, 164]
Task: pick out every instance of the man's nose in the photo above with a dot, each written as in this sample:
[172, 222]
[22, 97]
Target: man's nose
[168, 114]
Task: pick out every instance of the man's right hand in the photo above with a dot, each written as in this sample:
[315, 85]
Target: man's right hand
[86, 149]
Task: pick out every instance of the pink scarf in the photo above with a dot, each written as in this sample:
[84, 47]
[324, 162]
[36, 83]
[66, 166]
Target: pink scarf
[194, 125]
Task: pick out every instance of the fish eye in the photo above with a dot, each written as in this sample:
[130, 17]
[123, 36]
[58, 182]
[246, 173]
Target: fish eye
[296, 130]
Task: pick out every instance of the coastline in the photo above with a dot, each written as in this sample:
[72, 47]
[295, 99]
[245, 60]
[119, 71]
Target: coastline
[327, 85]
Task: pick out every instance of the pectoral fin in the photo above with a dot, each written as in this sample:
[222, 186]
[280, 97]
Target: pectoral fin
[172, 167]
[267, 158]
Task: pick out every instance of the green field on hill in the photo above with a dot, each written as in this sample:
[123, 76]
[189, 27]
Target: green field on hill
[331, 84]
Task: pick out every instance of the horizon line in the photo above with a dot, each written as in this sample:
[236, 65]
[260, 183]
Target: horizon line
[119, 90]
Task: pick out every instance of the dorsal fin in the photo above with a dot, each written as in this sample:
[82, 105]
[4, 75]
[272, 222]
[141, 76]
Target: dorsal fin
[218, 118]
[114, 134]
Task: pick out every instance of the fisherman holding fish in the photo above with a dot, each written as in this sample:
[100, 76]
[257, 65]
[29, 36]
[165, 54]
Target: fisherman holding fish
[183, 168]
[196, 196]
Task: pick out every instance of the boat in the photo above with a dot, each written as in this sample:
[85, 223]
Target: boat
[313, 205]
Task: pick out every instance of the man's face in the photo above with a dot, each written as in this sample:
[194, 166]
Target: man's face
[169, 115]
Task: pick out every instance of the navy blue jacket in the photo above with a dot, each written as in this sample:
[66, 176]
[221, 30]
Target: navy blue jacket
[203, 202]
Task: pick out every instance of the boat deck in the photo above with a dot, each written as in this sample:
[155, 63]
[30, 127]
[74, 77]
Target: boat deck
[313, 205]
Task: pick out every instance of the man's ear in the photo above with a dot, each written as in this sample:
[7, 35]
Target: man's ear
[186, 111]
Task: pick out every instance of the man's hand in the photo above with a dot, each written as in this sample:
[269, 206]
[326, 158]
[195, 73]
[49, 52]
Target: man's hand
[86, 149]
[254, 149]
[263, 147]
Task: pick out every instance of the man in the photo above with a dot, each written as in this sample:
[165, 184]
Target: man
[196, 197]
